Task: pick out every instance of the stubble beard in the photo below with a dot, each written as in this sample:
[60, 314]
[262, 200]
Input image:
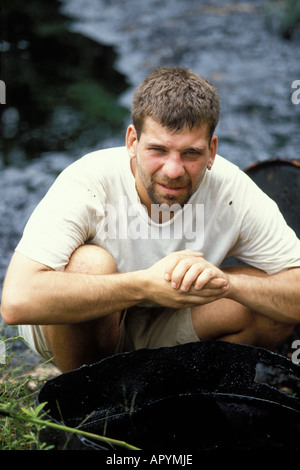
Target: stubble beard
[167, 200]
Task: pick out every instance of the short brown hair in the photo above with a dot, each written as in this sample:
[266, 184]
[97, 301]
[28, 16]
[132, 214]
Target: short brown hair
[176, 98]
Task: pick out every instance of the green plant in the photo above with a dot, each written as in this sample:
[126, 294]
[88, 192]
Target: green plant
[17, 395]
[21, 419]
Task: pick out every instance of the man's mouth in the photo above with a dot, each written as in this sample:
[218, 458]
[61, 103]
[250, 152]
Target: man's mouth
[171, 189]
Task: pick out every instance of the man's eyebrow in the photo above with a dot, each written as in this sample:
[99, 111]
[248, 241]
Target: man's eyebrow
[156, 144]
[185, 149]
[160, 146]
[195, 149]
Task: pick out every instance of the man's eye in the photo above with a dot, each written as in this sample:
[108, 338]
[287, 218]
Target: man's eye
[157, 150]
[191, 154]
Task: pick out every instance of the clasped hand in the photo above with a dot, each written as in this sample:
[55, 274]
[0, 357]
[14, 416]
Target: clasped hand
[192, 276]
[185, 269]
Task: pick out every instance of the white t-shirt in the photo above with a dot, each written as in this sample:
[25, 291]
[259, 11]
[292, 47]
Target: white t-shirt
[95, 201]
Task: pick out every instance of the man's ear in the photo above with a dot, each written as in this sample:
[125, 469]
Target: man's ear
[213, 149]
[131, 141]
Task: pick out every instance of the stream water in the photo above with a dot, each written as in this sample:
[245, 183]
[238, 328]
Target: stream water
[235, 44]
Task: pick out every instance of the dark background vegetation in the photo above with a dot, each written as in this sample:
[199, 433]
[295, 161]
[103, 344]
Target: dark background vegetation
[61, 87]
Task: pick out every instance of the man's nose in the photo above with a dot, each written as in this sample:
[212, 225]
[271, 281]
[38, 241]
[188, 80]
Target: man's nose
[174, 167]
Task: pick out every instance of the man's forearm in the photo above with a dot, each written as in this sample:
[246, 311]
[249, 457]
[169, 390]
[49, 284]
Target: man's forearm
[64, 298]
[35, 294]
[276, 296]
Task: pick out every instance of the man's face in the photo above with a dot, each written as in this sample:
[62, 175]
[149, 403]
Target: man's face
[169, 167]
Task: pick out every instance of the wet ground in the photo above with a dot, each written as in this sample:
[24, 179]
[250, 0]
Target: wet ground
[49, 119]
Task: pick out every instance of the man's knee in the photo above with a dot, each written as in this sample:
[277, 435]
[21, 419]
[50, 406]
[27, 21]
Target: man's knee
[227, 320]
[268, 333]
[91, 259]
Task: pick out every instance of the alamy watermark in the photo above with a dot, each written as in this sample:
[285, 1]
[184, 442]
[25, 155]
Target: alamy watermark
[296, 94]
[131, 221]
[2, 353]
[296, 354]
[2, 92]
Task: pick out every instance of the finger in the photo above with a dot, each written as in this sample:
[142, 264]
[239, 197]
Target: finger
[207, 276]
[181, 258]
[171, 262]
[216, 283]
[206, 293]
[185, 270]
[190, 276]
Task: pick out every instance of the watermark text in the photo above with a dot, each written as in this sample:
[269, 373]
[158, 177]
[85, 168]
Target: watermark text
[125, 221]
[296, 354]
[2, 353]
[160, 459]
[2, 92]
[296, 93]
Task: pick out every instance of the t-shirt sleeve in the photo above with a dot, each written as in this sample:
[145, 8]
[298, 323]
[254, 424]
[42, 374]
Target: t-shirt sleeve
[62, 221]
[265, 240]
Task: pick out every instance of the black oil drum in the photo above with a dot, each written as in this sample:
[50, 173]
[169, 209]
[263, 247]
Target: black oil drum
[280, 179]
[197, 396]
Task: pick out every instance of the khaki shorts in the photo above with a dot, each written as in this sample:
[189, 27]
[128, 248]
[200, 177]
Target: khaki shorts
[140, 328]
